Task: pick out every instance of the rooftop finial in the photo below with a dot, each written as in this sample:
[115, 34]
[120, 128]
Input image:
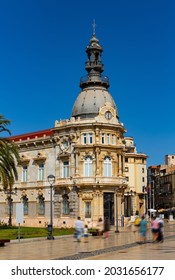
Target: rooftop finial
[94, 27]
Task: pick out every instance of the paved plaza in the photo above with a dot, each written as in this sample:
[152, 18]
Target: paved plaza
[119, 246]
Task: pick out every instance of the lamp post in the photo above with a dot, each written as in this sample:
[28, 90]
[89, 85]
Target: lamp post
[116, 230]
[10, 193]
[122, 215]
[51, 180]
[130, 195]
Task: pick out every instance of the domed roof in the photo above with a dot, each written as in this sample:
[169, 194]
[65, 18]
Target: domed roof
[90, 100]
[94, 86]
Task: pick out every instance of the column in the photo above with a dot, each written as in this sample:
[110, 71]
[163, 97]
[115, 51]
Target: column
[119, 164]
[76, 164]
[97, 162]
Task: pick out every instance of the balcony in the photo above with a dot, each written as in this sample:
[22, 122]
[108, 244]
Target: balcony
[86, 80]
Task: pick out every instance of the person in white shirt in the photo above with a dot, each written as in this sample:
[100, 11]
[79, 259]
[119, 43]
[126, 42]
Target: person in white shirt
[86, 233]
[78, 229]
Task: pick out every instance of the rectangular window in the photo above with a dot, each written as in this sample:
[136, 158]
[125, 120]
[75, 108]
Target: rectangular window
[103, 138]
[143, 179]
[113, 139]
[41, 172]
[90, 138]
[108, 138]
[84, 138]
[87, 209]
[126, 169]
[24, 173]
[87, 138]
[143, 170]
[65, 169]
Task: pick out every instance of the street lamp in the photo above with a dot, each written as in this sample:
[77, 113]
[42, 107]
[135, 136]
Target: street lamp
[130, 195]
[51, 180]
[10, 193]
[116, 230]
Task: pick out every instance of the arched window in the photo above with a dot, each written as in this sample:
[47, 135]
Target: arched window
[41, 210]
[107, 171]
[65, 204]
[25, 204]
[88, 167]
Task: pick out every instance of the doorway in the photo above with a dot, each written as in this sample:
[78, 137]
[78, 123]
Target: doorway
[109, 206]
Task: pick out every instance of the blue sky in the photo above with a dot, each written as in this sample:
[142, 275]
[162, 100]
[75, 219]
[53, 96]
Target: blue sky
[42, 54]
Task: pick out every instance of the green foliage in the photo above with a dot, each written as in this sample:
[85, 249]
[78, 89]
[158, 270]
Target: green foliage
[9, 157]
[8, 232]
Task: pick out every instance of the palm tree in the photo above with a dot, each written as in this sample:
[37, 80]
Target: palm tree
[3, 123]
[9, 157]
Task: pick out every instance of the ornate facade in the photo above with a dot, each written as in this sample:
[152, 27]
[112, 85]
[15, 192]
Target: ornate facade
[97, 169]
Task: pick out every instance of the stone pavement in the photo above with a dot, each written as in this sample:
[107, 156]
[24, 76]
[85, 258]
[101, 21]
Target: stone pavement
[119, 246]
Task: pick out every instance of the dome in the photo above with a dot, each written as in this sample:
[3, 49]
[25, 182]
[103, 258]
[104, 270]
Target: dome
[90, 100]
[94, 94]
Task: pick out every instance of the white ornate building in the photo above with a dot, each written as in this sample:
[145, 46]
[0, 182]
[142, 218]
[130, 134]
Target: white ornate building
[97, 170]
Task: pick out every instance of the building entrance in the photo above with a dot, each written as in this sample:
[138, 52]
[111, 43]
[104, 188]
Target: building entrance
[109, 207]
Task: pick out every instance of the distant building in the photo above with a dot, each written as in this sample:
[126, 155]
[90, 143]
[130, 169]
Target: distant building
[136, 174]
[170, 160]
[97, 168]
[161, 184]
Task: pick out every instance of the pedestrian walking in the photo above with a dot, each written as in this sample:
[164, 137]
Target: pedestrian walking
[78, 229]
[86, 233]
[100, 227]
[143, 229]
[106, 227]
[154, 228]
[161, 229]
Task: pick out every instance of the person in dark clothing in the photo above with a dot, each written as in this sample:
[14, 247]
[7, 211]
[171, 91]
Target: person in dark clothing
[106, 227]
[160, 234]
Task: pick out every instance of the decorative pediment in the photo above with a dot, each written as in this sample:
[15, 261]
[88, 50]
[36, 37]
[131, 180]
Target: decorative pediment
[24, 160]
[87, 196]
[40, 157]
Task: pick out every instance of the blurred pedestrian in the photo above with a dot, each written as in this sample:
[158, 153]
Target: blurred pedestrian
[86, 233]
[100, 227]
[161, 229]
[143, 229]
[78, 229]
[154, 228]
[106, 227]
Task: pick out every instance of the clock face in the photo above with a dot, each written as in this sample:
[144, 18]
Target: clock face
[108, 115]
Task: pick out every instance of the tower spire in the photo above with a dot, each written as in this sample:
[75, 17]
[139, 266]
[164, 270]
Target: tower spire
[94, 27]
[94, 64]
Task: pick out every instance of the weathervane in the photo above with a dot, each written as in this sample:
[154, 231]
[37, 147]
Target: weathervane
[94, 27]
